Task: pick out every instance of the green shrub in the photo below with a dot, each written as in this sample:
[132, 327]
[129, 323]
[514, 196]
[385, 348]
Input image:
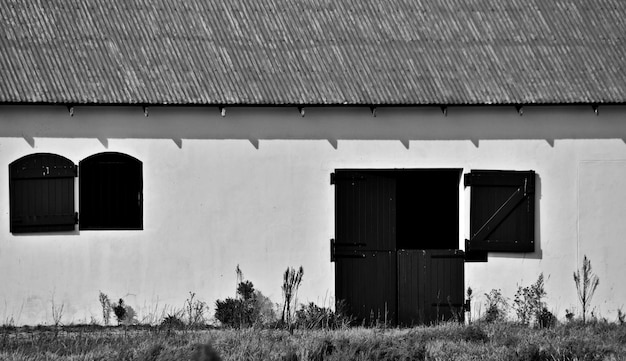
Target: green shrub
[230, 312]
[243, 311]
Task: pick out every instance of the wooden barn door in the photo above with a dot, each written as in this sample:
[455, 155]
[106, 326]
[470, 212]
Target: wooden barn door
[380, 274]
[364, 248]
[430, 286]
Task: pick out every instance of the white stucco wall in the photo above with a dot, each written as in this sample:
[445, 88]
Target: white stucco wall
[252, 189]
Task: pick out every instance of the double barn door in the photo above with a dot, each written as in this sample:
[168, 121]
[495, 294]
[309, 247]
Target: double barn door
[389, 266]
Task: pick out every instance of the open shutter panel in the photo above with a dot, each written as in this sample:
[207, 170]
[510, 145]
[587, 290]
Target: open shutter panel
[502, 211]
[41, 188]
[365, 212]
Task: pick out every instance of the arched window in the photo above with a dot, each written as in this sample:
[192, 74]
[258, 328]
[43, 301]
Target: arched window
[111, 186]
[41, 192]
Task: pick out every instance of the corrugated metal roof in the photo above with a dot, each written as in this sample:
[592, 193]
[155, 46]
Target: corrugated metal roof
[275, 52]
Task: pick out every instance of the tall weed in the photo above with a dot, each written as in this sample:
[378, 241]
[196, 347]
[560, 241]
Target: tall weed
[586, 283]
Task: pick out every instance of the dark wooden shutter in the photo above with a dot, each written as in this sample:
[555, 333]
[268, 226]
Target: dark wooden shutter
[41, 191]
[430, 286]
[502, 211]
[365, 210]
[111, 192]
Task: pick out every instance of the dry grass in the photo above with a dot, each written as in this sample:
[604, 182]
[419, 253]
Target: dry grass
[499, 341]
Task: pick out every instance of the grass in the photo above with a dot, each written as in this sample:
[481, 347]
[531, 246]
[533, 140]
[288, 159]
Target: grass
[496, 341]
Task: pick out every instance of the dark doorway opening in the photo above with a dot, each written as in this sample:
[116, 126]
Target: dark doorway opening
[427, 208]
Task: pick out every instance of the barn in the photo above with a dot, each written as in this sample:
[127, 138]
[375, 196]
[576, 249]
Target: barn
[400, 151]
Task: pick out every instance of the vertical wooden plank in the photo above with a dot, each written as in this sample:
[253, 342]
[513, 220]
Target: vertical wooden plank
[367, 193]
[416, 308]
[417, 295]
[392, 207]
[54, 196]
[447, 285]
[411, 304]
[23, 203]
[431, 281]
[440, 264]
[352, 215]
[370, 209]
[384, 232]
[69, 192]
[45, 198]
[32, 195]
[62, 195]
[451, 270]
[439, 296]
[424, 298]
[376, 292]
[404, 288]
[451, 293]
[389, 298]
[401, 282]
[429, 285]
[361, 209]
[37, 199]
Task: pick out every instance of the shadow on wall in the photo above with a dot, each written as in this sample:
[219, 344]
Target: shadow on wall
[319, 123]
